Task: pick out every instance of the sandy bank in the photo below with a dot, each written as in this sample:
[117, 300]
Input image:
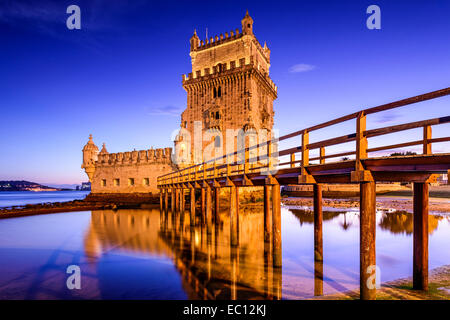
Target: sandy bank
[386, 203]
[401, 289]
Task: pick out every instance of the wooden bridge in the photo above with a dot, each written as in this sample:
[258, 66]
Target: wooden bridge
[270, 168]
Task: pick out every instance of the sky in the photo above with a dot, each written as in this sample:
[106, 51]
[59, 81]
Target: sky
[119, 76]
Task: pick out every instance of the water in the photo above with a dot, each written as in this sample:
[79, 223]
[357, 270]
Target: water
[143, 254]
[19, 198]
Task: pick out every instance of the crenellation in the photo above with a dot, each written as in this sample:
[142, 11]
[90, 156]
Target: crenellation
[134, 157]
[222, 69]
[142, 156]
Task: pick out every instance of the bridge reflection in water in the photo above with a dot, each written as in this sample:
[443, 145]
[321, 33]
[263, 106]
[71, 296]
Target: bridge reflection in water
[212, 268]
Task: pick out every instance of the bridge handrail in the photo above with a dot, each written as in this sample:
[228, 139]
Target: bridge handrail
[363, 134]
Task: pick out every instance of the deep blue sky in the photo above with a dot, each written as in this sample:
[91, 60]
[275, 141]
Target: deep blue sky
[119, 77]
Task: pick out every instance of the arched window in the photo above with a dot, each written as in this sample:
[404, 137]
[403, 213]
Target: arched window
[217, 115]
[217, 142]
[214, 92]
[219, 92]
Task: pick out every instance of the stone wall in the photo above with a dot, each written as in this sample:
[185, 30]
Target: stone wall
[144, 178]
[129, 172]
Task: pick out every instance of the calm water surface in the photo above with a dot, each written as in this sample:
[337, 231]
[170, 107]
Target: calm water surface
[19, 198]
[145, 254]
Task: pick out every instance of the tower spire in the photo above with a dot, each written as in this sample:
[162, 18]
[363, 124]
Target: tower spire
[247, 24]
[195, 41]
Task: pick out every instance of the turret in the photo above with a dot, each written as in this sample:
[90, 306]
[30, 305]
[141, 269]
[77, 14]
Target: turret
[195, 41]
[247, 24]
[266, 51]
[90, 156]
[104, 151]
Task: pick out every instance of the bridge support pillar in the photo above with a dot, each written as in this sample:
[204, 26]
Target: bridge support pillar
[276, 225]
[234, 220]
[318, 240]
[161, 199]
[172, 200]
[420, 256]
[177, 199]
[182, 200]
[192, 213]
[318, 217]
[203, 205]
[267, 216]
[367, 240]
[216, 205]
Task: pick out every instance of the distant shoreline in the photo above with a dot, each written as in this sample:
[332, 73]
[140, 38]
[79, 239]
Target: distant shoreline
[46, 190]
[23, 185]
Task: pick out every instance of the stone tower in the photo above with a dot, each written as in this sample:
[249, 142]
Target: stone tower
[90, 156]
[229, 88]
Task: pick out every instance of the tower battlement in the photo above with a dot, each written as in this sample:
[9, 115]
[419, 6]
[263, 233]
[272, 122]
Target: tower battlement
[226, 39]
[231, 46]
[135, 157]
[229, 68]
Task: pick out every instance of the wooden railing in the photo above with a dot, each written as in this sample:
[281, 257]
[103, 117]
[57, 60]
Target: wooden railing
[239, 162]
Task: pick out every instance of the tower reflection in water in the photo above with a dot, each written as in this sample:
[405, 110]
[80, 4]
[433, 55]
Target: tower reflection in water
[210, 267]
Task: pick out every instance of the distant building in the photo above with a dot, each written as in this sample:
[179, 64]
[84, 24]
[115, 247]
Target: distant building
[86, 186]
[442, 179]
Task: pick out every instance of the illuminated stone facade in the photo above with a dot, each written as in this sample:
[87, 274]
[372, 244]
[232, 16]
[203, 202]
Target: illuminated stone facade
[229, 88]
[125, 172]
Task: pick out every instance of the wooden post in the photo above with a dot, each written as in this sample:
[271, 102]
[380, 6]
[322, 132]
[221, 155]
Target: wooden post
[322, 155]
[276, 225]
[305, 153]
[292, 160]
[426, 140]
[420, 259]
[267, 216]
[216, 205]
[234, 235]
[318, 217]
[203, 205]
[182, 200]
[246, 161]
[304, 176]
[318, 278]
[177, 199]
[367, 240]
[192, 196]
[361, 141]
[172, 200]
[269, 157]
[161, 199]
